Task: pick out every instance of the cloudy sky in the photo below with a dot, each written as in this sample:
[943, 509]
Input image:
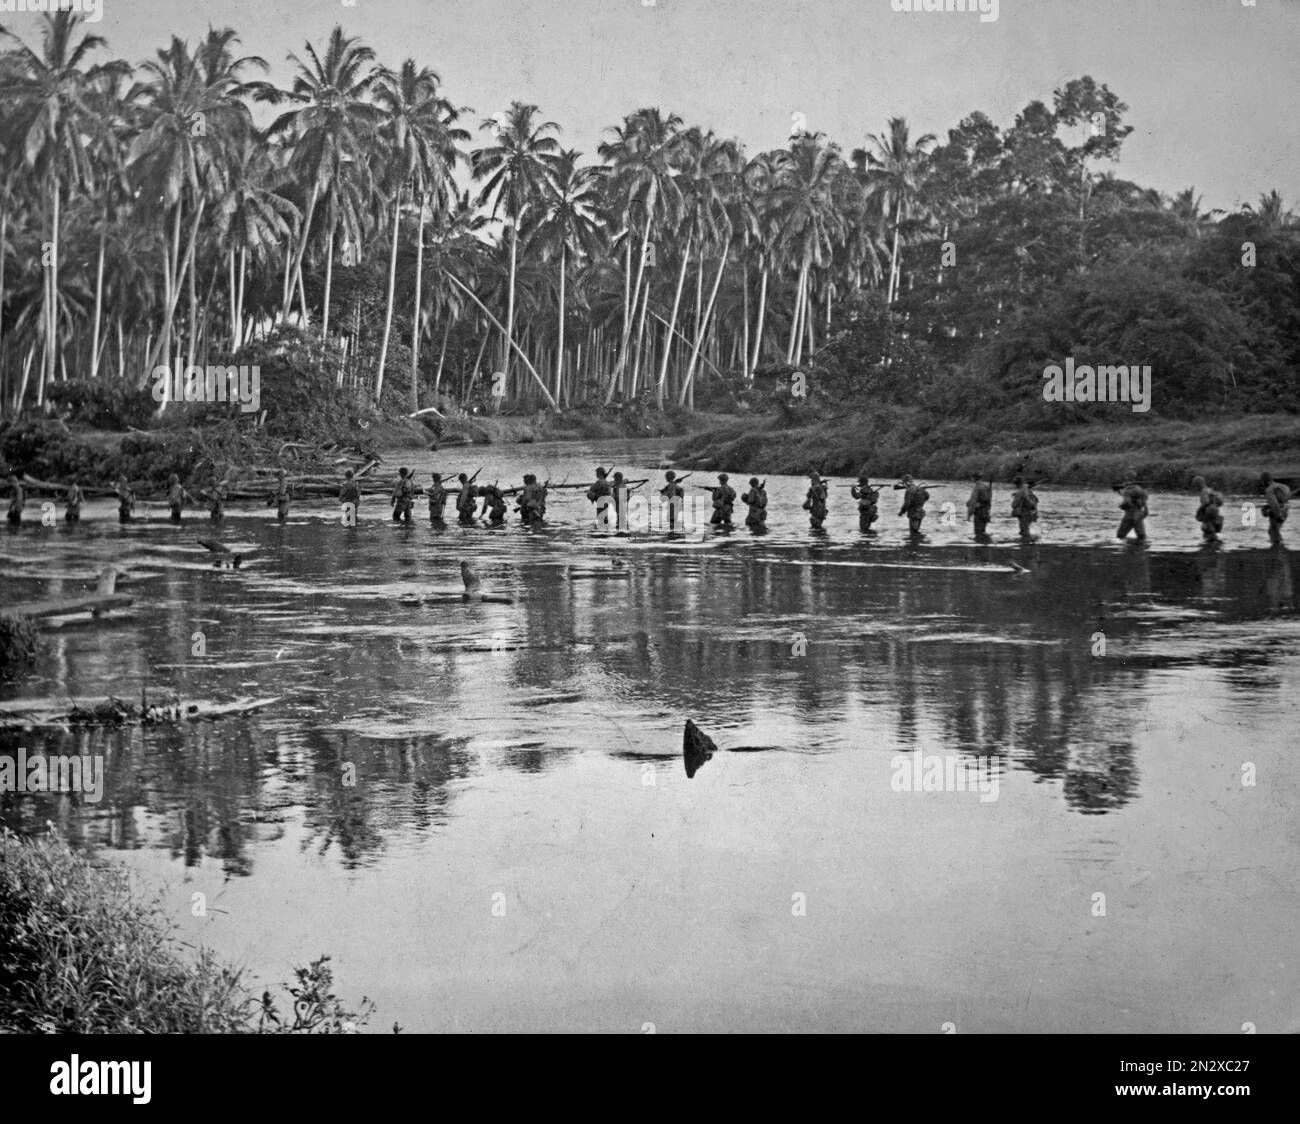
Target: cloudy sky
[1212, 86]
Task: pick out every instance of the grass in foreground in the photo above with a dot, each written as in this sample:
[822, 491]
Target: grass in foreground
[82, 952]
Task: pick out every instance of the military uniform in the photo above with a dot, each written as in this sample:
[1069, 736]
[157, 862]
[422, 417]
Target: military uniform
[979, 508]
[1133, 503]
[815, 503]
[724, 503]
[915, 498]
[868, 503]
[1024, 506]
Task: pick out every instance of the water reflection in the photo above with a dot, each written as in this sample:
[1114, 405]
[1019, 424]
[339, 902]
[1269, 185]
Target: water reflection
[389, 711]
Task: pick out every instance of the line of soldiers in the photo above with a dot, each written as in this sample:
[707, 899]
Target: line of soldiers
[613, 491]
[530, 505]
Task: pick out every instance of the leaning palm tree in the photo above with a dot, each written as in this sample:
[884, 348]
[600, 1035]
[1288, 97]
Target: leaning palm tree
[515, 172]
[894, 172]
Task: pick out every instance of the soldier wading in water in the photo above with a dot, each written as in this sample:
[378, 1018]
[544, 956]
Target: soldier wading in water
[1209, 513]
[724, 502]
[756, 500]
[1133, 503]
[1277, 503]
[815, 503]
[979, 508]
[403, 491]
[672, 494]
[1024, 505]
[915, 498]
[868, 502]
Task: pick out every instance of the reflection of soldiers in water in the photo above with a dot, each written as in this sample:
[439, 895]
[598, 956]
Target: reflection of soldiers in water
[1277, 578]
[1135, 570]
[1212, 566]
[1099, 778]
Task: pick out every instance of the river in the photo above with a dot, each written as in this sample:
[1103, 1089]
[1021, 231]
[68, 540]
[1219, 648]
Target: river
[480, 810]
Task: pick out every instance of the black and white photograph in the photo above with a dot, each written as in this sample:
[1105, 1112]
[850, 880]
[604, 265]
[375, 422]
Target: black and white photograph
[650, 517]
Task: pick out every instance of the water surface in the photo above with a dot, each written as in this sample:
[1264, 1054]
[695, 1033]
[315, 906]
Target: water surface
[522, 848]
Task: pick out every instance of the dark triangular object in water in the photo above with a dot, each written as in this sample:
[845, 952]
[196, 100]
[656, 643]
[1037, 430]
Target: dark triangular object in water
[697, 748]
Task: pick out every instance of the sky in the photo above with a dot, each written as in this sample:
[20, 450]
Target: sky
[1213, 86]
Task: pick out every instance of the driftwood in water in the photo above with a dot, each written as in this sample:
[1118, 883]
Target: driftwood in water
[697, 748]
[104, 598]
[118, 712]
[223, 553]
[34, 485]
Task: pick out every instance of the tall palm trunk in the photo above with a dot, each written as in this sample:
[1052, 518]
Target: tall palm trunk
[442, 355]
[510, 299]
[52, 300]
[415, 319]
[758, 330]
[688, 385]
[99, 296]
[172, 279]
[295, 270]
[4, 232]
[497, 324]
[392, 286]
[796, 321]
[559, 350]
[893, 256]
[744, 318]
[329, 284]
[192, 338]
[672, 322]
[627, 322]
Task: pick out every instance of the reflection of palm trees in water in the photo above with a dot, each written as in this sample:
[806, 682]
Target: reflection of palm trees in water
[985, 663]
[1100, 778]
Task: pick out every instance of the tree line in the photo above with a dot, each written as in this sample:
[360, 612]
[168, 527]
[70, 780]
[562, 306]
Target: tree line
[146, 219]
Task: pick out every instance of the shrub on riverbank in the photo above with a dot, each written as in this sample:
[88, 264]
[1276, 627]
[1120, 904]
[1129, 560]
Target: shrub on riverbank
[892, 440]
[82, 952]
[17, 643]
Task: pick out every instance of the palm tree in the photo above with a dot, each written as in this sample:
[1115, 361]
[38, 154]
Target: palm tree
[710, 191]
[515, 172]
[179, 156]
[421, 147]
[49, 100]
[573, 223]
[252, 221]
[810, 222]
[894, 173]
[644, 162]
[330, 127]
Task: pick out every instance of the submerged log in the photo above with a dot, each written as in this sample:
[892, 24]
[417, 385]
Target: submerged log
[697, 748]
[118, 712]
[104, 598]
[223, 552]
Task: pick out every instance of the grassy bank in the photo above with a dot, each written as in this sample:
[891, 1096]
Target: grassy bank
[81, 951]
[18, 640]
[1230, 453]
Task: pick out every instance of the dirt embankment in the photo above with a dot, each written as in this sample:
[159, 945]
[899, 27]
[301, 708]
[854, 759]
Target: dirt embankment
[1230, 453]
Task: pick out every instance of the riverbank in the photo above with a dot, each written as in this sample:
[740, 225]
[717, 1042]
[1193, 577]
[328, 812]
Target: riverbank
[1230, 453]
[96, 435]
[82, 952]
